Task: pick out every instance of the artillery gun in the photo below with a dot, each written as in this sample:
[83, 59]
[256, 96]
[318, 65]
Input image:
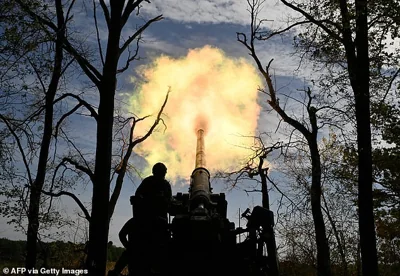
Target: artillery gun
[204, 242]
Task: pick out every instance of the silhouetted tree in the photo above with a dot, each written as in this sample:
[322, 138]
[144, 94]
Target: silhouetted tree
[348, 37]
[116, 14]
[53, 75]
[309, 132]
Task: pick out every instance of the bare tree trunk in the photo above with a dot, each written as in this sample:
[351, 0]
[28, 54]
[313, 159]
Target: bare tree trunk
[323, 254]
[271, 242]
[116, 15]
[99, 226]
[264, 187]
[37, 185]
[323, 251]
[336, 233]
[358, 68]
[358, 259]
[365, 180]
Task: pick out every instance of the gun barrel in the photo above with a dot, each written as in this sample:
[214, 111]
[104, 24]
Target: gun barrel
[200, 181]
[200, 150]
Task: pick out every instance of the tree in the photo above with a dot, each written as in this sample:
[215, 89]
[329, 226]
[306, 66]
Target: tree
[36, 183]
[386, 179]
[116, 14]
[358, 31]
[125, 129]
[253, 169]
[309, 131]
[338, 198]
[349, 37]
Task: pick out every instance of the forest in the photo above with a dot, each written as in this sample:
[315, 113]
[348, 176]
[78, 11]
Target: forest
[59, 254]
[325, 146]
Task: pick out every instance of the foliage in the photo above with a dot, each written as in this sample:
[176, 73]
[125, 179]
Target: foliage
[59, 254]
[55, 20]
[386, 165]
[349, 40]
[387, 190]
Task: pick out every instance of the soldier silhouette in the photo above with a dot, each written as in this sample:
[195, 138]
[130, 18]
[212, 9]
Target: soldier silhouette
[147, 232]
[153, 196]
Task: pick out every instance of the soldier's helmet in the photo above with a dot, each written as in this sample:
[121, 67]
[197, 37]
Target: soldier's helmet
[159, 170]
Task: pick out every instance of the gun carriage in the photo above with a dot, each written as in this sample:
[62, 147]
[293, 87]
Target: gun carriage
[202, 239]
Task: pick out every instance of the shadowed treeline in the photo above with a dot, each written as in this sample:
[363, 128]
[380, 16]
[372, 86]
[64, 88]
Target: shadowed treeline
[69, 255]
[57, 254]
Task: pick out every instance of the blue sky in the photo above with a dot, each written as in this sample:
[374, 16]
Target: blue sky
[193, 26]
[203, 23]
[187, 25]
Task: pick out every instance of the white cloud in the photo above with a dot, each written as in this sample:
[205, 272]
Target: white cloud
[222, 11]
[166, 47]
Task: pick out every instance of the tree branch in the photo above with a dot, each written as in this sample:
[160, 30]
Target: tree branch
[273, 102]
[82, 102]
[130, 58]
[105, 12]
[74, 197]
[261, 37]
[92, 73]
[84, 169]
[21, 150]
[313, 20]
[138, 32]
[121, 170]
[158, 119]
[390, 85]
[64, 116]
[130, 7]
[86, 66]
[97, 32]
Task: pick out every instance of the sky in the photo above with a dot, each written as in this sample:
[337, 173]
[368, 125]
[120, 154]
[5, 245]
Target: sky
[193, 25]
[190, 26]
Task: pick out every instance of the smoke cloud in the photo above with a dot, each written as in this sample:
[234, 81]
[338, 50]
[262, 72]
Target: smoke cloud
[209, 91]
